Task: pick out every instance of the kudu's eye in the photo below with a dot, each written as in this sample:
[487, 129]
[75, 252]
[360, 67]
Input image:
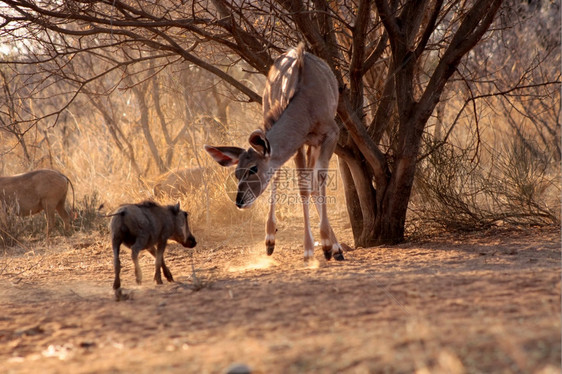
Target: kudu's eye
[253, 170]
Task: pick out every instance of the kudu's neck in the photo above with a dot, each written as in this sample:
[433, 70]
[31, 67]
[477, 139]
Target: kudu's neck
[288, 134]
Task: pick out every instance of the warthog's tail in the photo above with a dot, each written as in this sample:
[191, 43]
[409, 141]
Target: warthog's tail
[118, 213]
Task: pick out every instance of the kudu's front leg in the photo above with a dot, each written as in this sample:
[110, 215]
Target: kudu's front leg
[271, 224]
[304, 176]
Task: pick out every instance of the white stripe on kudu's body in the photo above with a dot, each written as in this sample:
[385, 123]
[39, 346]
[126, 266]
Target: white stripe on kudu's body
[299, 105]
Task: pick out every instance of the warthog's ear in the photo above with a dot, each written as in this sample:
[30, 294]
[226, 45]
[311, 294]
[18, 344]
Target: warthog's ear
[225, 156]
[259, 142]
[176, 208]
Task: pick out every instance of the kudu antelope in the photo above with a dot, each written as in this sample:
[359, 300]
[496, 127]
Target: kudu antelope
[299, 105]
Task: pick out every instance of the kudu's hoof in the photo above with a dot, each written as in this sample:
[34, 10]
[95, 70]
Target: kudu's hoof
[339, 256]
[270, 249]
[328, 255]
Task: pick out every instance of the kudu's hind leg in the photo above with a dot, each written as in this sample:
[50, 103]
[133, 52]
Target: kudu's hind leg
[330, 244]
[271, 224]
[334, 249]
[304, 180]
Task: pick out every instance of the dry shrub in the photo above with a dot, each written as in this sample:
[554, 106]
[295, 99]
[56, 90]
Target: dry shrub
[513, 186]
[210, 205]
[528, 186]
[87, 216]
[12, 226]
[14, 229]
[200, 278]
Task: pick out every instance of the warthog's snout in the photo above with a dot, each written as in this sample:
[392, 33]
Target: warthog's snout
[190, 242]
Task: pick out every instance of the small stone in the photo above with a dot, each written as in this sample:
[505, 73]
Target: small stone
[238, 369]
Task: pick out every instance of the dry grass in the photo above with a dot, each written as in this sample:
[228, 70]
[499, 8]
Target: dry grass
[506, 185]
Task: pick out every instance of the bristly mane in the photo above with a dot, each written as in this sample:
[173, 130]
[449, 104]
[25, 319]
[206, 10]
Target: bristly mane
[272, 116]
[291, 85]
[147, 204]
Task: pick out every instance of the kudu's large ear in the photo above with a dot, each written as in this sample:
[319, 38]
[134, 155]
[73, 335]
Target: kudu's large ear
[225, 156]
[259, 142]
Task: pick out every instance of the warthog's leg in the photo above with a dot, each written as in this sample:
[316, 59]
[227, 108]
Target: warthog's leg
[116, 264]
[167, 272]
[135, 250]
[152, 251]
[304, 182]
[159, 263]
[271, 226]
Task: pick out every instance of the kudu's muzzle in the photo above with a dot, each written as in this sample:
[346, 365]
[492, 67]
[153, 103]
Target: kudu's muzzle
[248, 192]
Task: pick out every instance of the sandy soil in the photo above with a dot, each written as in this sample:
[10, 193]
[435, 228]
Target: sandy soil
[475, 303]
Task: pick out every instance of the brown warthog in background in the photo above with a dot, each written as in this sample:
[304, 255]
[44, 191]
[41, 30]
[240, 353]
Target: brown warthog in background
[38, 190]
[144, 226]
[177, 183]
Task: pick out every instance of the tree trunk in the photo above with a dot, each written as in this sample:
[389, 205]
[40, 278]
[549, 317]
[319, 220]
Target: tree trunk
[352, 201]
[121, 141]
[145, 125]
[391, 221]
[377, 223]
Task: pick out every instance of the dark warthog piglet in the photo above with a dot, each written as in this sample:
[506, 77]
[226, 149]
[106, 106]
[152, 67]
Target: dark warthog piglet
[148, 225]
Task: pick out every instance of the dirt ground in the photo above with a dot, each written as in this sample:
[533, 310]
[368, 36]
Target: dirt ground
[473, 303]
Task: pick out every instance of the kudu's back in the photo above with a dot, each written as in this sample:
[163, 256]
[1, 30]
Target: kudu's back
[300, 79]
